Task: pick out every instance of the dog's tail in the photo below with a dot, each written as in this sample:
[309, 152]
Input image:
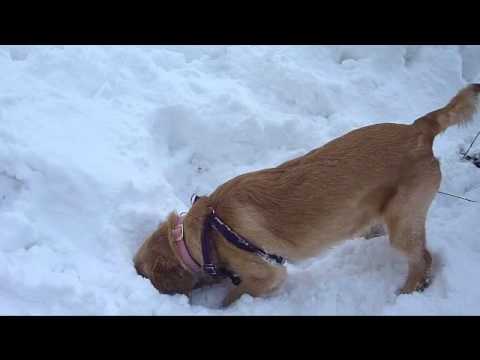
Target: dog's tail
[459, 110]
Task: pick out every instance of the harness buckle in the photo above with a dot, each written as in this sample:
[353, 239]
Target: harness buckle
[194, 198]
[235, 279]
[272, 258]
[210, 269]
[280, 259]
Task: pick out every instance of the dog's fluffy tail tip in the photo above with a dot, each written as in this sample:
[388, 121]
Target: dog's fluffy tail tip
[459, 111]
[462, 108]
[476, 87]
[471, 90]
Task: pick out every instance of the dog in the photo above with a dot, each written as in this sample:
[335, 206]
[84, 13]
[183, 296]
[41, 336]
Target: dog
[384, 174]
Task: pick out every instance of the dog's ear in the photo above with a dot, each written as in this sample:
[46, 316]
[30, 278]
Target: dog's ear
[171, 278]
[148, 252]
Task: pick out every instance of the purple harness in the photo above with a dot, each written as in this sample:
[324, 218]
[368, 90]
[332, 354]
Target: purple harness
[214, 222]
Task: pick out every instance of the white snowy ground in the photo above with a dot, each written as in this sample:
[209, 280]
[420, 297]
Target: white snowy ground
[98, 144]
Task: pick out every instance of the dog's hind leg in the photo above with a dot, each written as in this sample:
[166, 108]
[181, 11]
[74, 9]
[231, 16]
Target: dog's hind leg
[409, 237]
[405, 217]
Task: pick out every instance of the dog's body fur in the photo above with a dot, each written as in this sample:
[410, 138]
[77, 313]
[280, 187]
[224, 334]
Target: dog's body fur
[379, 174]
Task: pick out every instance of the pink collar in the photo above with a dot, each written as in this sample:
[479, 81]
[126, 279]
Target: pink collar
[181, 246]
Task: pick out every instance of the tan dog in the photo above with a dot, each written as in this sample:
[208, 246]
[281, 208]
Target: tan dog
[379, 174]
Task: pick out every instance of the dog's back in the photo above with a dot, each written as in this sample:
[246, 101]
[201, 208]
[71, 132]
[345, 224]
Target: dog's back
[328, 195]
[337, 190]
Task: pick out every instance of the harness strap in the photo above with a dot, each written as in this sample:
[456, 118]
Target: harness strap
[240, 241]
[208, 266]
[213, 221]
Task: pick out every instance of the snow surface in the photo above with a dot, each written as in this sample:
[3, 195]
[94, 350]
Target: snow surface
[98, 144]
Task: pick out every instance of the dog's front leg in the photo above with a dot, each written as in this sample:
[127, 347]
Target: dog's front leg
[233, 295]
[252, 287]
[255, 286]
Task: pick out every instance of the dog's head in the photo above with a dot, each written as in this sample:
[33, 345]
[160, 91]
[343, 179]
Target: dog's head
[156, 260]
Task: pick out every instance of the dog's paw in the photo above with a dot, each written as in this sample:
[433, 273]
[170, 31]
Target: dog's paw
[424, 284]
[418, 287]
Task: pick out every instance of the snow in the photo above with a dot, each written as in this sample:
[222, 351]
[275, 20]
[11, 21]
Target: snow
[99, 143]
